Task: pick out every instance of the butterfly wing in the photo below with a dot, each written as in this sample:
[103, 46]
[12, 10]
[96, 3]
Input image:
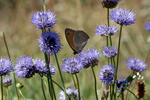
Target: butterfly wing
[80, 40]
[69, 33]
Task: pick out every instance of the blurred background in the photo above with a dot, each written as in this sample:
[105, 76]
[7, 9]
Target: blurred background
[21, 34]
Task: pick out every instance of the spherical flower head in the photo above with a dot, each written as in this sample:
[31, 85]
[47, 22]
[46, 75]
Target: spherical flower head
[40, 67]
[107, 74]
[72, 65]
[44, 19]
[89, 58]
[123, 16]
[121, 84]
[7, 82]
[109, 52]
[110, 3]
[5, 66]
[147, 26]
[104, 30]
[49, 42]
[24, 67]
[72, 93]
[136, 64]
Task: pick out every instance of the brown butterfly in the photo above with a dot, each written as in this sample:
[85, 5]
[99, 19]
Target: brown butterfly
[77, 39]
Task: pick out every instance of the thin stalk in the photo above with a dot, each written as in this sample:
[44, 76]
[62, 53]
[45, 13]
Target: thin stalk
[57, 85]
[110, 92]
[7, 93]
[8, 53]
[22, 94]
[118, 53]
[42, 86]
[74, 81]
[78, 86]
[95, 83]
[60, 74]
[44, 6]
[132, 94]
[1, 88]
[49, 79]
[122, 95]
[108, 17]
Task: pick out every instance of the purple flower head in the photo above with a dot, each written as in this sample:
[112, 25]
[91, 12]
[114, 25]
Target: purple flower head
[123, 16]
[104, 30]
[110, 3]
[147, 26]
[136, 64]
[109, 52]
[89, 58]
[72, 93]
[72, 65]
[44, 19]
[40, 67]
[121, 84]
[5, 66]
[25, 67]
[7, 82]
[49, 42]
[107, 74]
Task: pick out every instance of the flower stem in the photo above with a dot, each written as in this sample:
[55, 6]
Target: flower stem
[42, 86]
[118, 54]
[44, 6]
[22, 94]
[78, 86]
[74, 81]
[8, 53]
[49, 79]
[60, 74]
[133, 94]
[57, 85]
[1, 88]
[95, 83]
[122, 95]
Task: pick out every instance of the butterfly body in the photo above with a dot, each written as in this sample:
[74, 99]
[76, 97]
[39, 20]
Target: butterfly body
[77, 39]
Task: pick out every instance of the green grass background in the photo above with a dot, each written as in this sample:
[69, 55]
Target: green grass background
[15, 21]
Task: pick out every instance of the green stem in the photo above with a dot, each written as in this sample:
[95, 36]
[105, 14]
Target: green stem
[1, 88]
[8, 53]
[132, 94]
[42, 86]
[122, 95]
[44, 6]
[22, 94]
[118, 53]
[49, 79]
[110, 92]
[73, 81]
[95, 83]
[108, 17]
[57, 85]
[78, 86]
[7, 94]
[60, 74]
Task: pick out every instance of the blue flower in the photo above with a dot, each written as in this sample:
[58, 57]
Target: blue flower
[104, 30]
[40, 67]
[5, 66]
[25, 67]
[44, 19]
[72, 94]
[72, 65]
[89, 58]
[136, 64]
[7, 82]
[49, 42]
[147, 26]
[109, 52]
[123, 16]
[122, 84]
[110, 3]
[107, 73]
